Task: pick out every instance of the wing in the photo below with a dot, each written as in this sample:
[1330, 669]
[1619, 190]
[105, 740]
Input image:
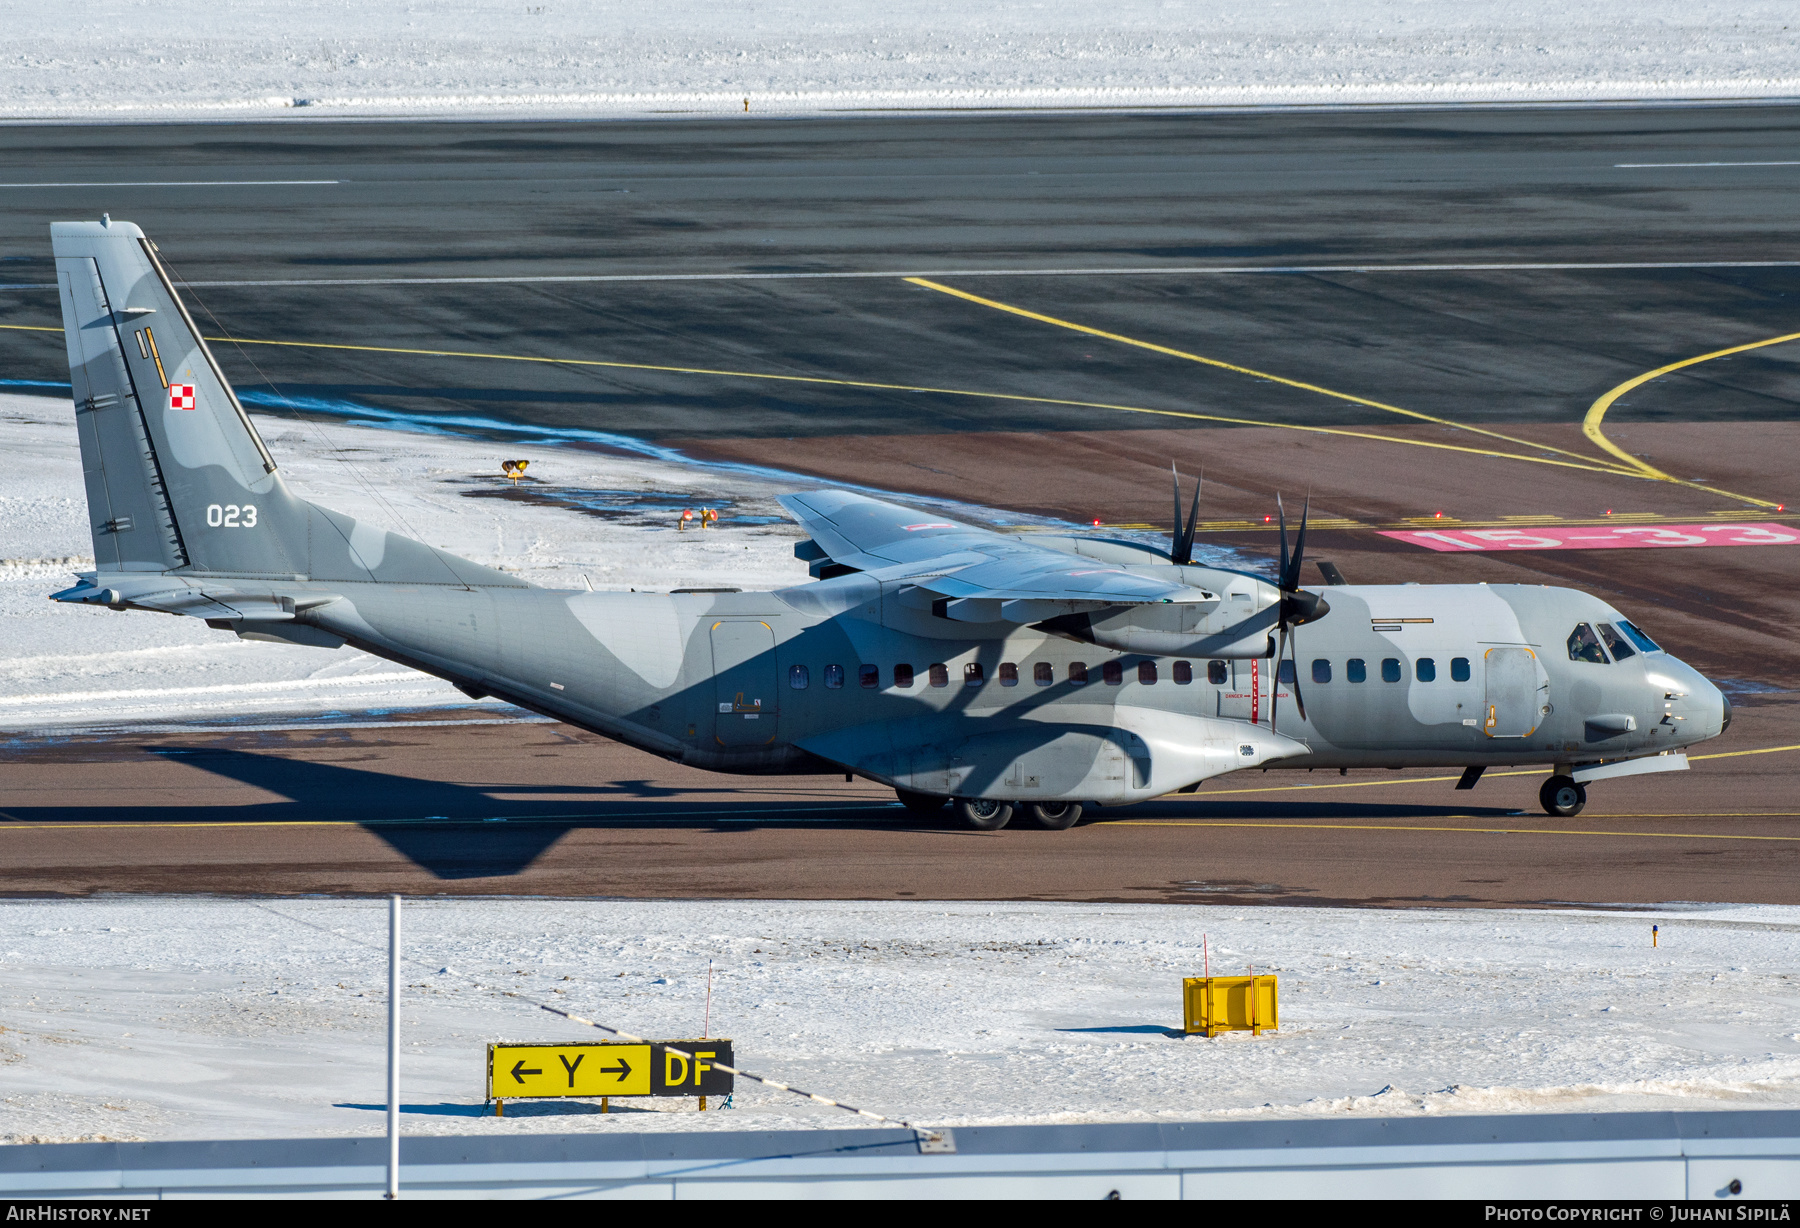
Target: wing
[981, 576]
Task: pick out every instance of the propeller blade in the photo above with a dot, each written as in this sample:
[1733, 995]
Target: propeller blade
[1275, 682]
[1290, 580]
[1193, 522]
[1175, 534]
[1281, 516]
[1299, 700]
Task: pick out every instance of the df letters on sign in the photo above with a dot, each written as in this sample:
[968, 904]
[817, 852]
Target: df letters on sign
[674, 1075]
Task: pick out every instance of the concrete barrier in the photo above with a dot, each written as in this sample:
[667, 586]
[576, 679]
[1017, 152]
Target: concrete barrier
[1628, 1156]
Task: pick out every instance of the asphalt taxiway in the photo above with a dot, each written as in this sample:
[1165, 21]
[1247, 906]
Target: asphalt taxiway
[1410, 314]
[429, 809]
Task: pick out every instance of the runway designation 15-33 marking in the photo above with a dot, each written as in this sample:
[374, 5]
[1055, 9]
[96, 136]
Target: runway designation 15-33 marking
[1600, 537]
[529, 1072]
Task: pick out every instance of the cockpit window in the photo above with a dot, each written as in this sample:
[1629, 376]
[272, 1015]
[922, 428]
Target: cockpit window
[1644, 642]
[1584, 645]
[1616, 643]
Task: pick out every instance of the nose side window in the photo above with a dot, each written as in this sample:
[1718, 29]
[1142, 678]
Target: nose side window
[1644, 642]
[1616, 643]
[1584, 645]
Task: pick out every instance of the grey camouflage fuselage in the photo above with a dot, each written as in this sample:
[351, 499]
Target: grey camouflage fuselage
[1041, 669]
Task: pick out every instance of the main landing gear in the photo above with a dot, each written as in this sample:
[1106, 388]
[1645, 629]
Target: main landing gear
[983, 814]
[1562, 796]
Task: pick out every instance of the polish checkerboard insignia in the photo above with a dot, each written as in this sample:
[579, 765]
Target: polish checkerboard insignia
[181, 396]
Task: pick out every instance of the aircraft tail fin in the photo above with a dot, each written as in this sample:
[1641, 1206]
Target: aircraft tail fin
[177, 477]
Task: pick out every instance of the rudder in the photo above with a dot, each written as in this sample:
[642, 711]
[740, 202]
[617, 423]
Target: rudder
[177, 477]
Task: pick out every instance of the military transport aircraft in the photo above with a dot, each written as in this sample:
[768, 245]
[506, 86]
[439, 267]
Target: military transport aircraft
[950, 662]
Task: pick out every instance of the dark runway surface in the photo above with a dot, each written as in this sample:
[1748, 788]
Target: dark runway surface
[738, 287]
[540, 809]
[938, 195]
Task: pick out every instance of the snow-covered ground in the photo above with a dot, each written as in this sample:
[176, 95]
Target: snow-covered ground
[163, 59]
[587, 514]
[170, 1018]
[609, 518]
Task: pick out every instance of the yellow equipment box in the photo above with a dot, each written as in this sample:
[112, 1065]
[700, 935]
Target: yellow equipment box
[1214, 1004]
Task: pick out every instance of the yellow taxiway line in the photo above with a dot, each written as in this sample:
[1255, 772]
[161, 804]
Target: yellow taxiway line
[1590, 425]
[1226, 366]
[1473, 831]
[1421, 780]
[1582, 464]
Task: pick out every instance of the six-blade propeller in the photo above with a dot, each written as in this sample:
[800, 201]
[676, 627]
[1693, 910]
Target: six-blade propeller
[1297, 605]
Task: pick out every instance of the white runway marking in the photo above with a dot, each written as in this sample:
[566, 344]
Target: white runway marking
[1216, 271]
[1635, 166]
[184, 183]
[1230, 270]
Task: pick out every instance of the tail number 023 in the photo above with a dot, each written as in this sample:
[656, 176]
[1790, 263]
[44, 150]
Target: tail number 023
[231, 516]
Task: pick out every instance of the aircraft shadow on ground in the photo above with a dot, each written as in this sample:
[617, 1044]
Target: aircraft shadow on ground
[514, 1108]
[460, 831]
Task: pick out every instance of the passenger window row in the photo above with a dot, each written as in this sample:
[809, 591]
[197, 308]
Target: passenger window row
[1112, 673]
[1357, 670]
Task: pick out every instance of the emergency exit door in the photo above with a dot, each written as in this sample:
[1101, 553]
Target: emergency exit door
[1514, 679]
[744, 679]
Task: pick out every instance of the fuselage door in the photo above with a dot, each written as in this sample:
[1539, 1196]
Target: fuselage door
[744, 678]
[1513, 681]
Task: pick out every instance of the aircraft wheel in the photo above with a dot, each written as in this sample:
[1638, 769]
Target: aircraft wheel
[984, 815]
[921, 803]
[1562, 796]
[1056, 816]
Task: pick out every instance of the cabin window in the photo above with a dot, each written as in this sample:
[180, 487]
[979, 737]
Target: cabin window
[1284, 672]
[1009, 674]
[869, 676]
[1183, 673]
[1147, 673]
[1644, 642]
[1217, 674]
[1078, 673]
[1459, 669]
[1616, 643]
[834, 677]
[1112, 672]
[1042, 674]
[940, 674]
[1584, 645]
[1321, 670]
[797, 677]
[972, 675]
[1355, 670]
[903, 675]
[1425, 669]
[1390, 669]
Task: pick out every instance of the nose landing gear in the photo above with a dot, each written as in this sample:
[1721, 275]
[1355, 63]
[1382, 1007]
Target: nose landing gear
[1562, 796]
